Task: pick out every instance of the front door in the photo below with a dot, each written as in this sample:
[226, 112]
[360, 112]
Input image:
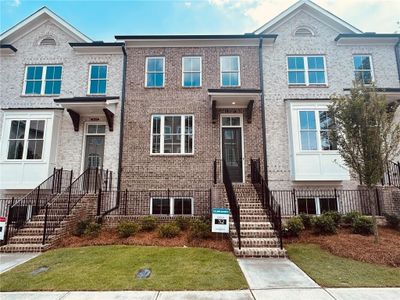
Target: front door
[94, 153]
[232, 152]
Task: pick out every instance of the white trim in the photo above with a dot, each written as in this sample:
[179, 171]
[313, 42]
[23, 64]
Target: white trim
[220, 70]
[306, 70]
[241, 126]
[90, 78]
[85, 134]
[370, 62]
[183, 71]
[172, 205]
[145, 71]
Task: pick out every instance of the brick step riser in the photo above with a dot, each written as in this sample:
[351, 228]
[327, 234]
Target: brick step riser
[252, 211]
[40, 224]
[24, 248]
[256, 244]
[32, 231]
[254, 226]
[253, 218]
[251, 234]
[27, 240]
[249, 252]
[49, 218]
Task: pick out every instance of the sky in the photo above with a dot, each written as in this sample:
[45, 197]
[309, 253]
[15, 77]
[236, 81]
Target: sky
[102, 19]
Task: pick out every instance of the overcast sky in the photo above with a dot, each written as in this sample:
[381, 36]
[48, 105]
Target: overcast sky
[102, 19]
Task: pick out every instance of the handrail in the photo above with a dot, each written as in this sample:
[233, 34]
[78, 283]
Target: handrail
[269, 204]
[391, 176]
[233, 204]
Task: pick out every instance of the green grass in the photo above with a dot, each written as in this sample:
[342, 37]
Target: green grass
[114, 268]
[332, 271]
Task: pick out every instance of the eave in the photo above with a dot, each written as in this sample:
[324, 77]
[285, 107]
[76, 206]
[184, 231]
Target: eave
[367, 39]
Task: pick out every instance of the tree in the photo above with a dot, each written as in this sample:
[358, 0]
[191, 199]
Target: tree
[366, 136]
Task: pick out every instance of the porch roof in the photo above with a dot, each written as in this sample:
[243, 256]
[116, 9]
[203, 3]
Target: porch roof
[392, 94]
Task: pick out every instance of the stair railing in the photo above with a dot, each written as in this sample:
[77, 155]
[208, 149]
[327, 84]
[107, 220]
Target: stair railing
[22, 210]
[233, 203]
[61, 206]
[268, 202]
[391, 176]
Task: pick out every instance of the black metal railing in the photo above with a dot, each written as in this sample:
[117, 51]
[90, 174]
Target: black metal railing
[233, 203]
[268, 202]
[392, 174]
[217, 171]
[22, 210]
[134, 203]
[61, 206]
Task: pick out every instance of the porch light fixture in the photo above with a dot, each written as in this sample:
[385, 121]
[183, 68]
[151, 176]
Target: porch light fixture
[233, 103]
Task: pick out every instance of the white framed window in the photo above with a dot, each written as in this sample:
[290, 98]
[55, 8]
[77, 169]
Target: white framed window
[171, 206]
[315, 130]
[306, 70]
[363, 70]
[155, 72]
[42, 80]
[191, 71]
[97, 79]
[167, 136]
[316, 205]
[230, 71]
[26, 140]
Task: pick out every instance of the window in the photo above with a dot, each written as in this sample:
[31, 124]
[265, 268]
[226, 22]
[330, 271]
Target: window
[171, 206]
[21, 136]
[315, 130]
[363, 68]
[155, 70]
[43, 80]
[316, 206]
[168, 137]
[96, 129]
[191, 71]
[98, 79]
[230, 71]
[306, 70]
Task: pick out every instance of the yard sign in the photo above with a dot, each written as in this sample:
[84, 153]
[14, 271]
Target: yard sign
[220, 220]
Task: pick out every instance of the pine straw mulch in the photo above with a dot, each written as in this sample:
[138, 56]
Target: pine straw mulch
[110, 237]
[358, 247]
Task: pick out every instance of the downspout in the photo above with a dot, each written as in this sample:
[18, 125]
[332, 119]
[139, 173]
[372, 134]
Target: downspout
[397, 53]
[264, 131]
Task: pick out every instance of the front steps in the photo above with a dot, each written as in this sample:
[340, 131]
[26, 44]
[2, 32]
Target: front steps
[258, 237]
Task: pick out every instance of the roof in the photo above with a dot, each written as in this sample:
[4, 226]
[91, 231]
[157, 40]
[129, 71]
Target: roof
[86, 99]
[315, 9]
[8, 46]
[236, 91]
[38, 17]
[97, 44]
[195, 36]
[367, 35]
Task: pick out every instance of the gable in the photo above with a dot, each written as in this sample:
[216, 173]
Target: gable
[36, 20]
[313, 10]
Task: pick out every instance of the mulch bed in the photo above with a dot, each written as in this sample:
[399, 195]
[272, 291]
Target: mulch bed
[358, 247]
[110, 237]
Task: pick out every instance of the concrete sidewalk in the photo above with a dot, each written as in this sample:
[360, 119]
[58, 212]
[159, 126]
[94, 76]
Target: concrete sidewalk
[11, 260]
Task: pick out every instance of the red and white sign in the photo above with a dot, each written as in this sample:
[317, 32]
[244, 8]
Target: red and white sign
[3, 222]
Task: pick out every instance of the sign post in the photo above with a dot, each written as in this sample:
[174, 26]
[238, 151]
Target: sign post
[220, 220]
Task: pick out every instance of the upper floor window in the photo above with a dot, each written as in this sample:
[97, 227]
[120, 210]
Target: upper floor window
[26, 139]
[363, 68]
[315, 130]
[98, 79]
[230, 71]
[306, 70]
[191, 71]
[155, 71]
[172, 134]
[43, 80]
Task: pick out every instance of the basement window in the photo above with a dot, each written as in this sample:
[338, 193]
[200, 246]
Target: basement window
[171, 206]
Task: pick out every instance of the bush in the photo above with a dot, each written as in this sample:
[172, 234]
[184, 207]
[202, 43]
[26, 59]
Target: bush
[324, 224]
[148, 223]
[307, 220]
[350, 217]
[294, 226]
[80, 227]
[92, 230]
[363, 225]
[182, 222]
[336, 217]
[126, 228]
[393, 221]
[200, 229]
[168, 230]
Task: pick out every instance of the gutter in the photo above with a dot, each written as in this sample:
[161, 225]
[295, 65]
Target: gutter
[264, 131]
[397, 53]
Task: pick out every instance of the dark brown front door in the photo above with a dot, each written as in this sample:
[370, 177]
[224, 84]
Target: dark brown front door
[232, 152]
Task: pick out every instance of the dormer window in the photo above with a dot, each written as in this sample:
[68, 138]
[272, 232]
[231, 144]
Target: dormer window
[303, 32]
[48, 42]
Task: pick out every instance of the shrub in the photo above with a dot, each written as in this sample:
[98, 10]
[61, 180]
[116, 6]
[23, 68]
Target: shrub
[324, 224]
[148, 223]
[363, 225]
[182, 222]
[80, 227]
[294, 226]
[169, 230]
[126, 228]
[200, 229]
[393, 221]
[336, 217]
[307, 220]
[350, 217]
[92, 230]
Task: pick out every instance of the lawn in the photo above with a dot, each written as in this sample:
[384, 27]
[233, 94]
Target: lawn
[114, 268]
[332, 271]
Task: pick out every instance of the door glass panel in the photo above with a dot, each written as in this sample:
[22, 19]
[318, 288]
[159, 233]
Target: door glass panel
[94, 151]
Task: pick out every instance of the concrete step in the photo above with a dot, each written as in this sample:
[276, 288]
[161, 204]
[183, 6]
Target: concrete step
[255, 233]
[252, 225]
[256, 242]
[23, 248]
[259, 252]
